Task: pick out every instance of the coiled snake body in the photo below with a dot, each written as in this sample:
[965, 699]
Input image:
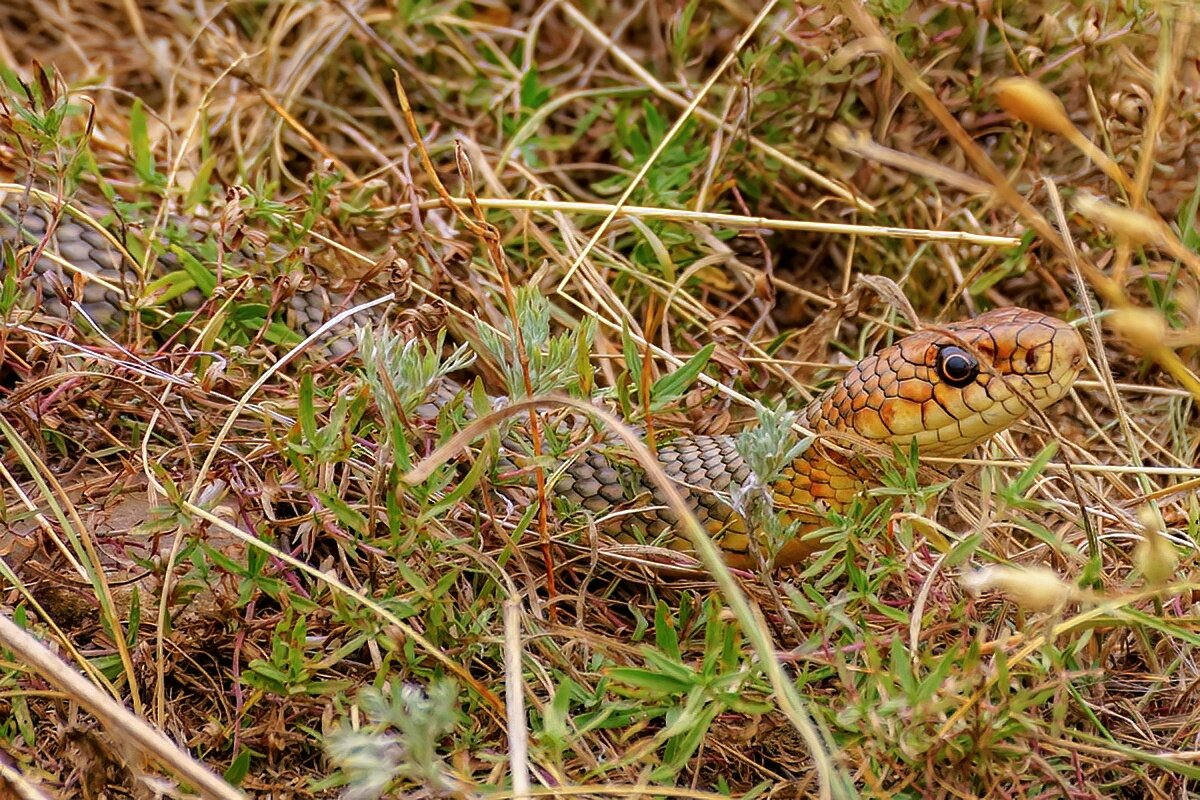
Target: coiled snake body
[946, 388]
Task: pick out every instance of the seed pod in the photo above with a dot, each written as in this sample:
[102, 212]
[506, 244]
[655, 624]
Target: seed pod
[1155, 557]
[1032, 588]
[1029, 101]
[1134, 226]
[1143, 328]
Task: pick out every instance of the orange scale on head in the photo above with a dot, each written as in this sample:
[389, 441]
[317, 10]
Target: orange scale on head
[1016, 362]
[1004, 350]
[985, 348]
[917, 391]
[975, 396]
[1038, 361]
[1014, 405]
[1030, 336]
[934, 415]
[930, 432]
[902, 417]
[947, 396]
[972, 429]
[921, 349]
[868, 425]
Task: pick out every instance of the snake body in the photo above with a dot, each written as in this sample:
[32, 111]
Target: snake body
[78, 248]
[946, 388]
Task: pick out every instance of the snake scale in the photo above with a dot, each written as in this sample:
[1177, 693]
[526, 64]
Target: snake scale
[946, 388]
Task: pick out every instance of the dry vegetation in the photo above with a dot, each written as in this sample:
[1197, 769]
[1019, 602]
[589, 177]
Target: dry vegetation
[236, 555]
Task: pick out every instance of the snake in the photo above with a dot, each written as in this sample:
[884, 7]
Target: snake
[69, 245]
[944, 388]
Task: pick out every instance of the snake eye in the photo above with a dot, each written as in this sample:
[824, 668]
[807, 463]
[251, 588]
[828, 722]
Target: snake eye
[956, 366]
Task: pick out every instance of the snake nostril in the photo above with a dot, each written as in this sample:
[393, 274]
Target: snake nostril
[1078, 351]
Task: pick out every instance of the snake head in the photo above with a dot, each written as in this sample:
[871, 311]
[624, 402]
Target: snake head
[952, 386]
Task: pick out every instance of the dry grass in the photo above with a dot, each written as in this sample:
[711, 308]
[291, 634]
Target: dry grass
[252, 551]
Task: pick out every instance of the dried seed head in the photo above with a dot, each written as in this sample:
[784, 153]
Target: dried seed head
[1155, 557]
[1033, 588]
[1129, 106]
[1134, 226]
[1029, 101]
[1143, 328]
[855, 51]
[1090, 33]
[1050, 28]
[843, 138]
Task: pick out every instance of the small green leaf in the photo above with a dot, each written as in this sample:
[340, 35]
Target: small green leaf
[224, 562]
[249, 312]
[668, 387]
[139, 144]
[349, 518]
[665, 635]
[308, 413]
[683, 745]
[201, 186]
[237, 771]
[276, 333]
[269, 672]
[486, 457]
[1187, 221]
[1021, 485]
[648, 679]
[666, 665]
[656, 126]
[533, 95]
[170, 286]
[902, 667]
[584, 370]
[633, 359]
[201, 275]
[963, 550]
[555, 731]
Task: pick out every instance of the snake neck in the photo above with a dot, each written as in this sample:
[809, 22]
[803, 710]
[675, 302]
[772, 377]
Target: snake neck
[821, 479]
